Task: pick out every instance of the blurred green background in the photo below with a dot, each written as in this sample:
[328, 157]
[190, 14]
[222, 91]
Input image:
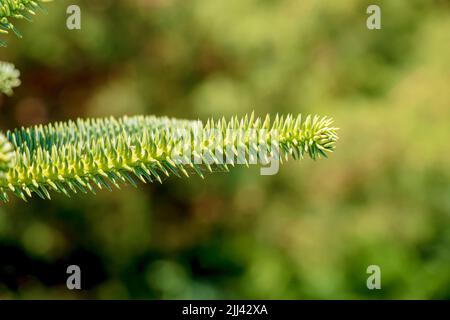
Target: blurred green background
[309, 232]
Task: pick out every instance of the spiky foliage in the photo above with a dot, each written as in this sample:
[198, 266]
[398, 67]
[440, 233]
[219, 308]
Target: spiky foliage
[74, 156]
[9, 78]
[17, 9]
[7, 156]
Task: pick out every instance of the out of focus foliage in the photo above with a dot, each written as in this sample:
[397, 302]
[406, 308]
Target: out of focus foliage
[308, 232]
[9, 78]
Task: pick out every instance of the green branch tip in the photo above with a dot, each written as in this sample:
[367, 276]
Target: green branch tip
[17, 9]
[69, 157]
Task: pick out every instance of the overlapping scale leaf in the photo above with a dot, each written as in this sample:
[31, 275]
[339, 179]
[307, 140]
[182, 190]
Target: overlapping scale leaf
[82, 155]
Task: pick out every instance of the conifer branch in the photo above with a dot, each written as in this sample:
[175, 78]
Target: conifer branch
[76, 156]
[7, 156]
[17, 9]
